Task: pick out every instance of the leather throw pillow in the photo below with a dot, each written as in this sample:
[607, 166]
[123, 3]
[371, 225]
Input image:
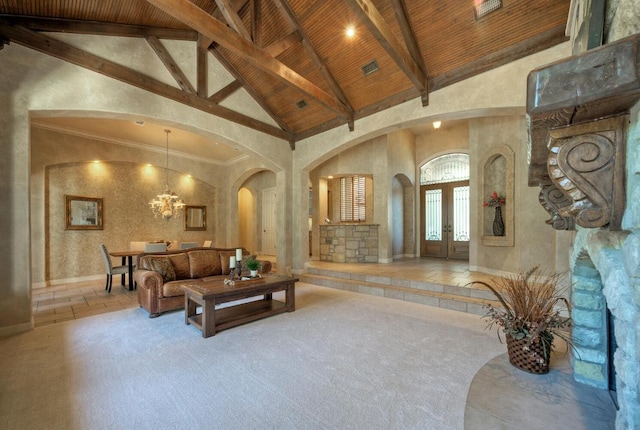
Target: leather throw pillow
[164, 267]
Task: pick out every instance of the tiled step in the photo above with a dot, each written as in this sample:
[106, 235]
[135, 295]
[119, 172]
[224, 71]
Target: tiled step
[462, 299]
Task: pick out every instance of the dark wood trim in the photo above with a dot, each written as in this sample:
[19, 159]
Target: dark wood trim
[226, 91]
[63, 51]
[202, 68]
[232, 18]
[248, 88]
[170, 64]
[528, 47]
[196, 18]
[55, 25]
[288, 14]
[376, 24]
[400, 10]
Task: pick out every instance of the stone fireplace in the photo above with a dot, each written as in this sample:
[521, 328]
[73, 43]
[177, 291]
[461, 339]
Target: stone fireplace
[584, 154]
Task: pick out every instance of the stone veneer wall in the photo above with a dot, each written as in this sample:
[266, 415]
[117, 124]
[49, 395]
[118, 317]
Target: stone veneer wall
[606, 274]
[590, 332]
[349, 243]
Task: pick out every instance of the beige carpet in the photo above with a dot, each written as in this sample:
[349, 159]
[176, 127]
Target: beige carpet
[340, 361]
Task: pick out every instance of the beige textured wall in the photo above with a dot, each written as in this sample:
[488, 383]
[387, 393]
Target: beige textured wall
[53, 148]
[125, 189]
[34, 84]
[252, 230]
[501, 91]
[534, 241]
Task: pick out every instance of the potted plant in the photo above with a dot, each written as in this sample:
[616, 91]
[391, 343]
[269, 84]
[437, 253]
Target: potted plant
[532, 313]
[253, 265]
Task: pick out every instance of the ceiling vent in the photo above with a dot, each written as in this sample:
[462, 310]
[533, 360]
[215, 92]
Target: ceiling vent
[370, 68]
[301, 104]
[484, 7]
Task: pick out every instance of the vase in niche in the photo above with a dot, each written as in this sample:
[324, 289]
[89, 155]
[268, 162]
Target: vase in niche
[498, 222]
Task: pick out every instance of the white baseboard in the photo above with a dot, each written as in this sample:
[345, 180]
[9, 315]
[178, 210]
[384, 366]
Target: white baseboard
[16, 329]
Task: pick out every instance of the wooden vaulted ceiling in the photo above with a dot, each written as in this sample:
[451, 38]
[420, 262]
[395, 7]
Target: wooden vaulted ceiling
[284, 52]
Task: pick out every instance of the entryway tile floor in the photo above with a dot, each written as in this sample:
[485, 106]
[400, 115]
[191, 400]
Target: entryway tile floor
[78, 300]
[65, 302]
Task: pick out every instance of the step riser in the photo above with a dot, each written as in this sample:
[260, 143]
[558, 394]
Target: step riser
[457, 300]
[416, 285]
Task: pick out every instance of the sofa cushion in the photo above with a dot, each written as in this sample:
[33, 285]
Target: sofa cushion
[174, 288]
[224, 260]
[181, 265]
[204, 263]
[163, 266]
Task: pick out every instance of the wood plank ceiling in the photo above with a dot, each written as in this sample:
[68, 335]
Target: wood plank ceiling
[292, 56]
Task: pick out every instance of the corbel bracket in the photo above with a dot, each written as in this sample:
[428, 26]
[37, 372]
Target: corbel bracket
[577, 113]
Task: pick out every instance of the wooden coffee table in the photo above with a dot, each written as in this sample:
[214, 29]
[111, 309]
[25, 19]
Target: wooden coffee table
[211, 293]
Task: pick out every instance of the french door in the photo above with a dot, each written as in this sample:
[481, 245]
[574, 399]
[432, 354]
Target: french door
[445, 220]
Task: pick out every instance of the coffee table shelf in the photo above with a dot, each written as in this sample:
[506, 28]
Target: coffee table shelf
[241, 314]
[211, 293]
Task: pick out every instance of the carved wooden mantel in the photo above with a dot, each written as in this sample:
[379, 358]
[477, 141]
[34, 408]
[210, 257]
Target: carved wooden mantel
[577, 112]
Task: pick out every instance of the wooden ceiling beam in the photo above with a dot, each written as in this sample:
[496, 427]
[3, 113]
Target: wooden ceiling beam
[54, 25]
[202, 69]
[196, 18]
[232, 18]
[225, 91]
[371, 17]
[402, 16]
[504, 56]
[281, 45]
[256, 21]
[71, 54]
[287, 13]
[170, 64]
[248, 88]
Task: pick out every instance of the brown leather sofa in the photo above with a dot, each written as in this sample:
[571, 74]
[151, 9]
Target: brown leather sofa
[159, 276]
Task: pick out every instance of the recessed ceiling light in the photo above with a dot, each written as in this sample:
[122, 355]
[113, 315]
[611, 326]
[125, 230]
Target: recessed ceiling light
[350, 31]
[437, 124]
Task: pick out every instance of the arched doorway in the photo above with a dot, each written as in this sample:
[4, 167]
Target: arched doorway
[444, 203]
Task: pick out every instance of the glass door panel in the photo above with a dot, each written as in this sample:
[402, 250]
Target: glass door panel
[445, 220]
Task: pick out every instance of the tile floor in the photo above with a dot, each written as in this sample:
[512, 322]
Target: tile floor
[435, 270]
[77, 300]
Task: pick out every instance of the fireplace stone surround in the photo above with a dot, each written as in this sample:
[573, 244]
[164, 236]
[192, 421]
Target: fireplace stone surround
[584, 154]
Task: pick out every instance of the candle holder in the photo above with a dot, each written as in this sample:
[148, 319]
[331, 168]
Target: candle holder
[239, 269]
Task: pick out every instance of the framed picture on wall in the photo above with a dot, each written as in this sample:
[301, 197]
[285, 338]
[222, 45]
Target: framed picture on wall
[83, 213]
[195, 218]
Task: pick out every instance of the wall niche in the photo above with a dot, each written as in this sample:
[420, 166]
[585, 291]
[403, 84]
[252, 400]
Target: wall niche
[497, 177]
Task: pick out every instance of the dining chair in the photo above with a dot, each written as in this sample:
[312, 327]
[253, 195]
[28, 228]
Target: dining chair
[207, 244]
[187, 245]
[155, 247]
[111, 269]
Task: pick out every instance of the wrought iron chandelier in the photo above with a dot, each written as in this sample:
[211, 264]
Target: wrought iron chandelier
[167, 204]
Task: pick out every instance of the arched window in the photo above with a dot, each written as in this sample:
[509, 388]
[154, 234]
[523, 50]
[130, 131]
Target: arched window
[446, 168]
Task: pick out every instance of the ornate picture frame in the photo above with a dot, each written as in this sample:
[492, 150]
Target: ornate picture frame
[195, 218]
[83, 213]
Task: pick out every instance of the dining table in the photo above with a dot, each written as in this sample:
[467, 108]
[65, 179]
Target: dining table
[127, 258]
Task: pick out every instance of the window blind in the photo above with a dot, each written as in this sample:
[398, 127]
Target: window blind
[352, 198]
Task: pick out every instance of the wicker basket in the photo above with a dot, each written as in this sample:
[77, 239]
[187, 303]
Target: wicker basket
[530, 358]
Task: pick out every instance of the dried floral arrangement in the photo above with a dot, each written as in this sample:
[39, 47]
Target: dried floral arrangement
[533, 308]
